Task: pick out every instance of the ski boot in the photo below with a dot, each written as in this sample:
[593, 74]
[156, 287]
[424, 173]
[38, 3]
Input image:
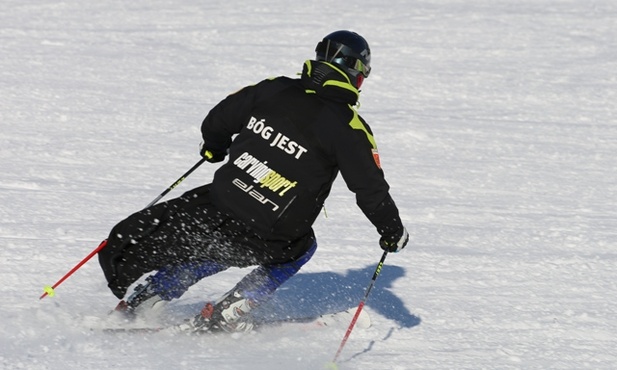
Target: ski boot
[144, 300]
[230, 314]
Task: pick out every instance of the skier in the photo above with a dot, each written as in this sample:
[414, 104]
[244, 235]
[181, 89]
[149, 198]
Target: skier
[293, 136]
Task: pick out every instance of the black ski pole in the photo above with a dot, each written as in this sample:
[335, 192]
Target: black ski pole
[360, 306]
[49, 290]
[172, 186]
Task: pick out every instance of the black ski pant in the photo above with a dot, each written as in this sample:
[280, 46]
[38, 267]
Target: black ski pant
[185, 229]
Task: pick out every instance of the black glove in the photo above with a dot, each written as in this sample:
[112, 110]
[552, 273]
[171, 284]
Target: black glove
[212, 156]
[394, 242]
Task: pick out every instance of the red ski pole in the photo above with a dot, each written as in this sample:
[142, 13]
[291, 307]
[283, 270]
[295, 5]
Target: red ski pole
[359, 309]
[49, 290]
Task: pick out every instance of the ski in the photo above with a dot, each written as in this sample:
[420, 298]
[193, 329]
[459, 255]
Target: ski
[307, 323]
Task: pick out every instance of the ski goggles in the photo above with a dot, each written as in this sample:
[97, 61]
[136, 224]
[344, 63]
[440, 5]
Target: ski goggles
[353, 64]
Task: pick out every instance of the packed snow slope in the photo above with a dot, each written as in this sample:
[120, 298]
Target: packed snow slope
[497, 128]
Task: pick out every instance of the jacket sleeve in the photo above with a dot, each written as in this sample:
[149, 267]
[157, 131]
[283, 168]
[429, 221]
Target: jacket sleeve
[227, 118]
[358, 163]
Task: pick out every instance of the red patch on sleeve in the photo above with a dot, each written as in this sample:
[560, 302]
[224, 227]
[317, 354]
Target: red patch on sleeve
[376, 158]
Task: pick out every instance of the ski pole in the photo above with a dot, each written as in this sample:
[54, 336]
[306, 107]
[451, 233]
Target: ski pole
[172, 186]
[49, 290]
[360, 306]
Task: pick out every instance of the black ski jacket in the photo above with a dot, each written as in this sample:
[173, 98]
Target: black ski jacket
[293, 137]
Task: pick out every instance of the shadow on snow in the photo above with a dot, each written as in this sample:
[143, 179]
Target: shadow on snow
[314, 294]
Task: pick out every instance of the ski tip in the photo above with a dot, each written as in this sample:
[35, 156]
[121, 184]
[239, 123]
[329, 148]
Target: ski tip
[136, 330]
[345, 317]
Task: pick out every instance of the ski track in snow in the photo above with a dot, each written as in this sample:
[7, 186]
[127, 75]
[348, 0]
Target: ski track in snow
[497, 128]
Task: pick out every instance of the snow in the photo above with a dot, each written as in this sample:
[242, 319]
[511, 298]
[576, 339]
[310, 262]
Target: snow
[497, 128]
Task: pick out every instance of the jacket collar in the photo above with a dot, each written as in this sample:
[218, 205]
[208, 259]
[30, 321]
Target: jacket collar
[329, 82]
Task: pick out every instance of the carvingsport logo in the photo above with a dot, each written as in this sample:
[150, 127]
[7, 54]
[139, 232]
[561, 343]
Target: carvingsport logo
[263, 175]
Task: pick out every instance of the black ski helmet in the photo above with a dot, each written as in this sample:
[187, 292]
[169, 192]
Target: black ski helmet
[349, 51]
